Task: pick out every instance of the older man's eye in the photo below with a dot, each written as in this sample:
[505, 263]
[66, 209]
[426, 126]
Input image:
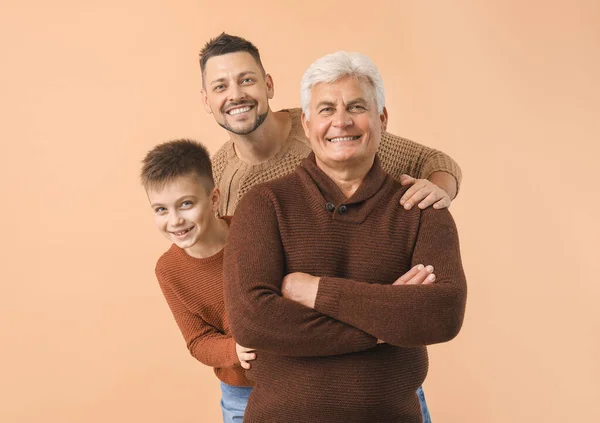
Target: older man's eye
[357, 108]
[326, 110]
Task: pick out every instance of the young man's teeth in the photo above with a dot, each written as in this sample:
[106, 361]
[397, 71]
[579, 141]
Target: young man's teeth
[343, 139]
[238, 111]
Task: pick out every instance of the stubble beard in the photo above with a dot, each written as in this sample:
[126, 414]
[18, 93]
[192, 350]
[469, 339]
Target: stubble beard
[259, 121]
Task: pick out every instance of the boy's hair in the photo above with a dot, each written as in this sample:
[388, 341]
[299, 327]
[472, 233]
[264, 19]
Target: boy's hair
[173, 159]
[224, 44]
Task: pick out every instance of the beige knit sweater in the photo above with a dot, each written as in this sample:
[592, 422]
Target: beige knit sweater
[398, 155]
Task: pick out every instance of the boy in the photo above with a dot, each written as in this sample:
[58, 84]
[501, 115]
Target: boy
[178, 180]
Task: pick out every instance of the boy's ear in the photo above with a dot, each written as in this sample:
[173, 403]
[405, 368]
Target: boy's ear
[215, 198]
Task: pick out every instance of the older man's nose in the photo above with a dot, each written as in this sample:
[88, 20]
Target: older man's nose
[342, 119]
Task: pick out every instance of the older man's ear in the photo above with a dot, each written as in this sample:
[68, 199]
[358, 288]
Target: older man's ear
[305, 125]
[384, 119]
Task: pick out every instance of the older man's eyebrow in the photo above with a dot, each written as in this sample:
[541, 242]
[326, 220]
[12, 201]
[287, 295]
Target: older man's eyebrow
[325, 103]
[359, 100]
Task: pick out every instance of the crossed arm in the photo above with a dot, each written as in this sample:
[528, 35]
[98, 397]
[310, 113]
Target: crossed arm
[402, 314]
[346, 316]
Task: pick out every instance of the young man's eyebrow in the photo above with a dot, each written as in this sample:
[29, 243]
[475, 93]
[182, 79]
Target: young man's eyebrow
[240, 75]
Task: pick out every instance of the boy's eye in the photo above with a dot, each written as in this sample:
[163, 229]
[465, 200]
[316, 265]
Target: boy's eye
[187, 204]
[160, 210]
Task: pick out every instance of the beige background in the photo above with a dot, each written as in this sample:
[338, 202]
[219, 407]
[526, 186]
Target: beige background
[510, 89]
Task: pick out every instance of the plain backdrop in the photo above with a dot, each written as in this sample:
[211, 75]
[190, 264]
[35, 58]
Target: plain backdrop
[510, 89]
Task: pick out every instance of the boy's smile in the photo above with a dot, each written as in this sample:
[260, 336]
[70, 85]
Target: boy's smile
[184, 212]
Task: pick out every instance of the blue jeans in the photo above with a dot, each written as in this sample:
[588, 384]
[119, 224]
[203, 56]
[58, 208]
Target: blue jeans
[235, 398]
[424, 409]
[233, 402]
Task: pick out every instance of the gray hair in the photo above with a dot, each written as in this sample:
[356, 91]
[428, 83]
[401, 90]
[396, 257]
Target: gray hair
[334, 66]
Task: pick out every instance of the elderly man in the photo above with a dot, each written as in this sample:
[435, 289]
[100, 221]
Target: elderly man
[313, 262]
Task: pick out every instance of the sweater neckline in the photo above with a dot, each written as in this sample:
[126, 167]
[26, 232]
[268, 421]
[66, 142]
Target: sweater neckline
[218, 256]
[327, 196]
[233, 158]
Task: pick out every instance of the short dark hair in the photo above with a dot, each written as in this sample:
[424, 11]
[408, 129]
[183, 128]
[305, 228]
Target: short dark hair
[224, 44]
[173, 159]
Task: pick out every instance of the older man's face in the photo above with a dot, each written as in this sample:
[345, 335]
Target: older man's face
[344, 127]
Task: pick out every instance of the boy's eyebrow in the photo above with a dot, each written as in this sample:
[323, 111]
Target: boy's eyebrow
[153, 205]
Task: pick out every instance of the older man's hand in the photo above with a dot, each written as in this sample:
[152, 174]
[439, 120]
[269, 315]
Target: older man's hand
[424, 193]
[301, 287]
[418, 275]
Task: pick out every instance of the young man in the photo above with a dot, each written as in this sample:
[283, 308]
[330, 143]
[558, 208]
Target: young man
[178, 179]
[264, 145]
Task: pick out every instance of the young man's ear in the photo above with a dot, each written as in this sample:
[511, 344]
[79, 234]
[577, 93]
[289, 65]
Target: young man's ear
[270, 86]
[205, 101]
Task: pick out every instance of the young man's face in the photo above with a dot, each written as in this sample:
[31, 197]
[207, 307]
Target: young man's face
[236, 92]
[184, 209]
[345, 126]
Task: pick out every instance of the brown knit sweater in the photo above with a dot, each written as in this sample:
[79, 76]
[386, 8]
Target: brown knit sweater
[398, 155]
[325, 365]
[193, 288]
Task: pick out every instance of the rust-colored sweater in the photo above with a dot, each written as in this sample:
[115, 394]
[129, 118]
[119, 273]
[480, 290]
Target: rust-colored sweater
[324, 365]
[193, 288]
[398, 155]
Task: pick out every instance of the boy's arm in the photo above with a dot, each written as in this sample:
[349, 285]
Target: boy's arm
[206, 343]
[260, 318]
[435, 175]
[401, 315]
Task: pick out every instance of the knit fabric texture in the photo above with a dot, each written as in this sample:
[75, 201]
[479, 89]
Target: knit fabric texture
[398, 155]
[324, 365]
[193, 288]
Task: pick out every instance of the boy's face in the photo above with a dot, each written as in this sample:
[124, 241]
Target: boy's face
[184, 209]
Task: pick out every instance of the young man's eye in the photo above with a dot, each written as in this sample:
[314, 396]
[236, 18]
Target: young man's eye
[218, 88]
[247, 81]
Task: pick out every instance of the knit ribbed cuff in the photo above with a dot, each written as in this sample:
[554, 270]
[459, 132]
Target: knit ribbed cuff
[328, 297]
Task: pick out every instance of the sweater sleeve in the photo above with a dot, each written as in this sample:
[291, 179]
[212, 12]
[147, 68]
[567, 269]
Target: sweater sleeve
[407, 315]
[259, 317]
[399, 155]
[205, 342]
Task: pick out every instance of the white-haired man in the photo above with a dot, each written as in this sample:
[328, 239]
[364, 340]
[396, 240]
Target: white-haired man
[312, 263]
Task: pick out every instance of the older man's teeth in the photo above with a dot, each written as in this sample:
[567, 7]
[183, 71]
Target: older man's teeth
[344, 139]
[238, 111]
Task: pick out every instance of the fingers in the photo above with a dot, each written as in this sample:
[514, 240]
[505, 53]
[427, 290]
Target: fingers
[443, 203]
[406, 179]
[245, 357]
[433, 198]
[408, 275]
[414, 194]
[417, 275]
